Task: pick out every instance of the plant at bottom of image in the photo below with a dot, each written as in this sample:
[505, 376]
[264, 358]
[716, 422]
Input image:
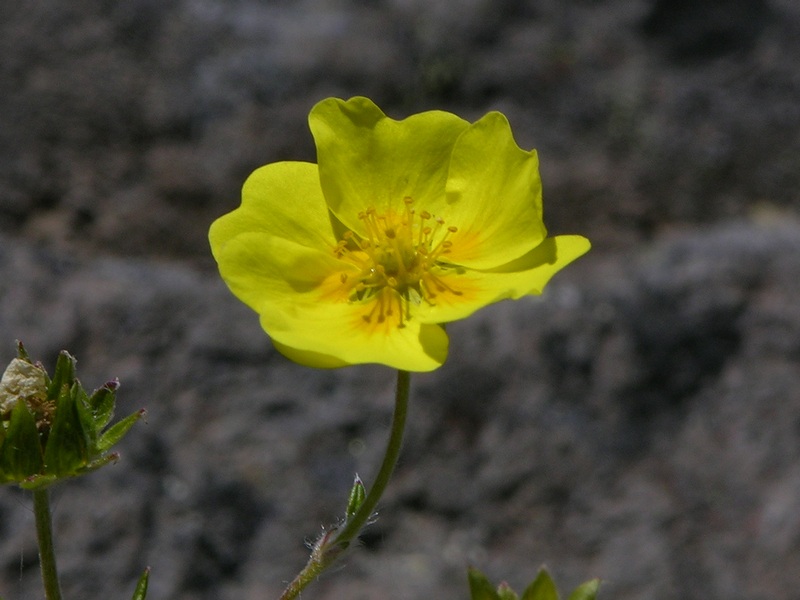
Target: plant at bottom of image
[362, 257]
[52, 430]
[541, 588]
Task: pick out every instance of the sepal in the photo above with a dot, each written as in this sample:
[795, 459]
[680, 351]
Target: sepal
[541, 588]
[21, 452]
[586, 591]
[479, 586]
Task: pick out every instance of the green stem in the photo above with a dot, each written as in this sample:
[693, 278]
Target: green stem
[331, 546]
[44, 533]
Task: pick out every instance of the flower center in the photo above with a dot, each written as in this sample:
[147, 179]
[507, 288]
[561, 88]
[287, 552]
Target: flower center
[401, 260]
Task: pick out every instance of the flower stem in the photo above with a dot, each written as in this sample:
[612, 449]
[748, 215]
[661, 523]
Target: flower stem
[333, 544]
[44, 533]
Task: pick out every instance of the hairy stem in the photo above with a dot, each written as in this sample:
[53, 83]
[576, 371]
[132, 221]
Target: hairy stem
[333, 544]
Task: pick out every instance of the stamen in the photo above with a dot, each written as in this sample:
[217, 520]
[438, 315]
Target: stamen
[399, 256]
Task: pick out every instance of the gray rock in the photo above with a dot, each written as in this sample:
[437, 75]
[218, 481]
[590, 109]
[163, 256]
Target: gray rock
[637, 423]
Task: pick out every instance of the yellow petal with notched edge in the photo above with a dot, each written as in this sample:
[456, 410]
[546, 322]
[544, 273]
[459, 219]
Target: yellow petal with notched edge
[494, 196]
[368, 160]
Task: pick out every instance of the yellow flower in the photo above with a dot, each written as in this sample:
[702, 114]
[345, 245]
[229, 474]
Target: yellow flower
[402, 226]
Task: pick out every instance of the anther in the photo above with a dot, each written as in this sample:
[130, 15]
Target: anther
[397, 257]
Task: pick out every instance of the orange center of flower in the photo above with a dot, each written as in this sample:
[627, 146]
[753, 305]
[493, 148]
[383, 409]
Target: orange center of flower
[401, 259]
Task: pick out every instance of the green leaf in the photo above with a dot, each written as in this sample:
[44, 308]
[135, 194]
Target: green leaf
[141, 588]
[586, 591]
[117, 431]
[21, 452]
[64, 374]
[67, 445]
[479, 586]
[542, 588]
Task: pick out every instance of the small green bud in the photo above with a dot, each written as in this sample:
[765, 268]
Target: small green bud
[50, 429]
[357, 495]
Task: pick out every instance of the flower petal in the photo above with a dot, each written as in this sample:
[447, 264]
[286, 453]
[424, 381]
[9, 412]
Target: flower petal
[494, 196]
[298, 294]
[527, 275]
[283, 200]
[263, 270]
[330, 335]
[368, 160]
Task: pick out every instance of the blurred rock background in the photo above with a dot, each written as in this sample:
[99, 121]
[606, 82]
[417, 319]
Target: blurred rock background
[640, 422]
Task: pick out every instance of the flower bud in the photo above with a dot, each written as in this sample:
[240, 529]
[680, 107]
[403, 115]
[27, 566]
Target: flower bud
[51, 429]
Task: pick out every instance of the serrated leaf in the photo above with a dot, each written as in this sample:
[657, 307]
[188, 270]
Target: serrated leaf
[21, 452]
[140, 593]
[542, 588]
[586, 591]
[67, 444]
[479, 586]
[116, 432]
